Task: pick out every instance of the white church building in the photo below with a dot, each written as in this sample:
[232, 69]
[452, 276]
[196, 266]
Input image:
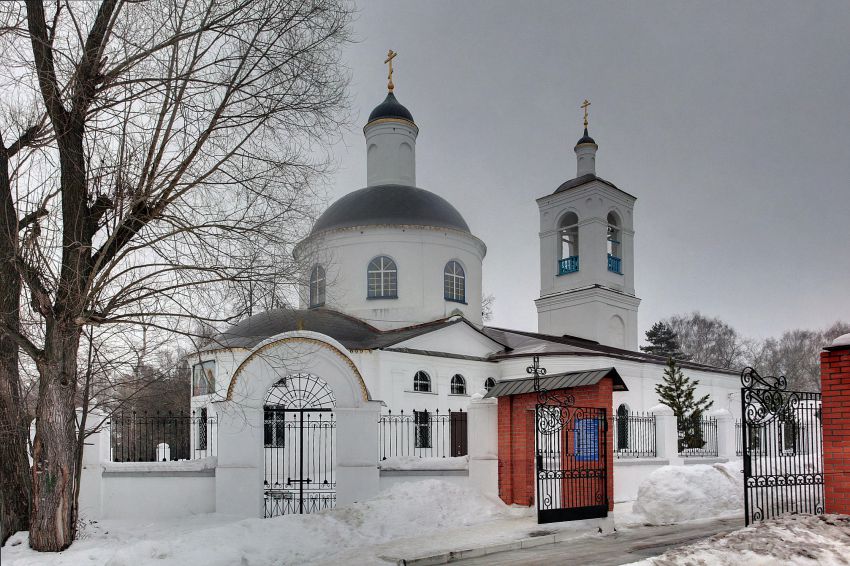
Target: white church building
[390, 331]
[387, 373]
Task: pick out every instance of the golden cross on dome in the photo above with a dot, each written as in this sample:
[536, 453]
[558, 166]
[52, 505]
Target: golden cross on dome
[390, 56]
[584, 105]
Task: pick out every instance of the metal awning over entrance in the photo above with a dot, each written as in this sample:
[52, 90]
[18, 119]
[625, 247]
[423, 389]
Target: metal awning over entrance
[556, 381]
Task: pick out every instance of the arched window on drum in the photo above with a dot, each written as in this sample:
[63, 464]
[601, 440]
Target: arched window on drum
[382, 279]
[454, 282]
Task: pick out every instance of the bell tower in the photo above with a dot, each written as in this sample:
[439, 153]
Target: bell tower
[587, 284]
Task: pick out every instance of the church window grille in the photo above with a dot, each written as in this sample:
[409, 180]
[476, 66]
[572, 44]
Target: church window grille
[382, 279]
[422, 430]
[454, 282]
[458, 385]
[317, 286]
[422, 382]
[202, 430]
[489, 383]
[568, 242]
[203, 378]
[273, 431]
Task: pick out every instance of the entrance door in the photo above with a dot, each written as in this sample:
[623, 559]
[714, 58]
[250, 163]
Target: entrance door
[571, 457]
[300, 447]
[457, 425]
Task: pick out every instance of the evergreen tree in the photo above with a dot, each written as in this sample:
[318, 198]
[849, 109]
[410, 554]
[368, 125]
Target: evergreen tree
[663, 341]
[677, 392]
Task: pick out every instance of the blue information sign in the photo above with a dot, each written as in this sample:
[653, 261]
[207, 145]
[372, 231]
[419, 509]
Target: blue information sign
[586, 440]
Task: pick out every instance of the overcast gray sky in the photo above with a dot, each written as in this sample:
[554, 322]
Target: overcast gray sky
[729, 123]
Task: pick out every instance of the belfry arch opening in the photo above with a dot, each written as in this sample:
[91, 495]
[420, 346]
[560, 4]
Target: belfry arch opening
[568, 255]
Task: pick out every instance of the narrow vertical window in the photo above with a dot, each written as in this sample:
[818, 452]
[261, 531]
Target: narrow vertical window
[422, 434]
[614, 234]
[454, 282]
[382, 279]
[317, 286]
[622, 427]
[202, 430]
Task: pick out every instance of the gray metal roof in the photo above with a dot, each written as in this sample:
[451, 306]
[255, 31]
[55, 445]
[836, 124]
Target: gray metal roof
[352, 333]
[391, 205]
[583, 180]
[555, 381]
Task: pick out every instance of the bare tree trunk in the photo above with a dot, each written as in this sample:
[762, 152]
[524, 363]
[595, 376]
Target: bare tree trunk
[54, 448]
[15, 487]
[14, 463]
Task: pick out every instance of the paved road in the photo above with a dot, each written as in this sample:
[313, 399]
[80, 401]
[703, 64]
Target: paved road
[622, 547]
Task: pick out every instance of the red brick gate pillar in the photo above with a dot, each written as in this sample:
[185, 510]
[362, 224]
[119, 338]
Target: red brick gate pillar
[835, 386]
[516, 440]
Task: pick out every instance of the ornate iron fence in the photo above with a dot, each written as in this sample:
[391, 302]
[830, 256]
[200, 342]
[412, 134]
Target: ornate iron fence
[634, 435]
[158, 437]
[425, 434]
[698, 437]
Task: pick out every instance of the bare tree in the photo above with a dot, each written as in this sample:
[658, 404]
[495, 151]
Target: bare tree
[708, 340]
[178, 132]
[796, 355]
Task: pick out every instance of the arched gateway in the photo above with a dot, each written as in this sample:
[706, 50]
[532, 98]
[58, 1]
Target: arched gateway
[297, 429]
[299, 444]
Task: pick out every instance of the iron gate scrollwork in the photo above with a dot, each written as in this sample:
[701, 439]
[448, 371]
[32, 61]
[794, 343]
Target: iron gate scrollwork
[571, 456]
[300, 446]
[782, 446]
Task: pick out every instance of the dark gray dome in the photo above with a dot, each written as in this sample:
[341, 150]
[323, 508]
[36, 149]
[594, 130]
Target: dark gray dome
[390, 108]
[391, 205]
[585, 139]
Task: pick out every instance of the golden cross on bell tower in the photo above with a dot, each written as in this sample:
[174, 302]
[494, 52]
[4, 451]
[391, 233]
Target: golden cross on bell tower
[390, 56]
[584, 105]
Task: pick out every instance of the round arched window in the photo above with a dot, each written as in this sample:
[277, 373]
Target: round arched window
[454, 282]
[489, 383]
[422, 382]
[382, 279]
[458, 385]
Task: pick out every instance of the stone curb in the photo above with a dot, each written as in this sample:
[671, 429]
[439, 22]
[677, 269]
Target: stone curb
[455, 555]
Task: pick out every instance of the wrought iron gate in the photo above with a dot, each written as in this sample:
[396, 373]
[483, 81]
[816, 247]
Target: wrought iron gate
[571, 456]
[300, 445]
[781, 436]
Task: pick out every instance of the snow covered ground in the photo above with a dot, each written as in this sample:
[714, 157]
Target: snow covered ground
[406, 510]
[793, 540]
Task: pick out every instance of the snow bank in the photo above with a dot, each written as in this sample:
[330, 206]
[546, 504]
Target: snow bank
[416, 463]
[408, 509]
[682, 493]
[794, 540]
